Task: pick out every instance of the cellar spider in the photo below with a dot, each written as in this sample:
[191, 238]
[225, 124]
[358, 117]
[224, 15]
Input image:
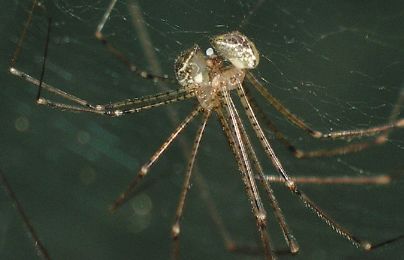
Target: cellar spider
[214, 79]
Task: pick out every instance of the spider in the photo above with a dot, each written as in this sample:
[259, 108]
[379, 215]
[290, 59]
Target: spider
[213, 79]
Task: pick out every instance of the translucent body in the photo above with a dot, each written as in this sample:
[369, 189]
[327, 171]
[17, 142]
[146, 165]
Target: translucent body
[208, 75]
[210, 78]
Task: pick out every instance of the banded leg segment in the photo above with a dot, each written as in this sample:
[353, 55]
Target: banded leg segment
[145, 168]
[120, 56]
[292, 186]
[340, 150]
[370, 180]
[176, 228]
[118, 108]
[248, 176]
[289, 238]
[344, 134]
[39, 246]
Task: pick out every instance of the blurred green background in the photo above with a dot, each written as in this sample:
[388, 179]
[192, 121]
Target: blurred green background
[337, 65]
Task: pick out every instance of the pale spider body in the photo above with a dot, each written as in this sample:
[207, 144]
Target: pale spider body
[207, 75]
[209, 78]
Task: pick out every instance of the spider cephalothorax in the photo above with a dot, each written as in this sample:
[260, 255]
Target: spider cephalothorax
[208, 74]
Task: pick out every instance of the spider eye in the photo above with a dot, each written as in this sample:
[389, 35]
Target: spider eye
[236, 48]
[190, 67]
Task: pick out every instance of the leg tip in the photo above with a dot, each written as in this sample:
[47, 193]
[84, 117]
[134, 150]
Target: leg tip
[317, 134]
[294, 246]
[41, 101]
[98, 35]
[383, 179]
[381, 139]
[400, 123]
[299, 154]
[366, 245]
[175, 230]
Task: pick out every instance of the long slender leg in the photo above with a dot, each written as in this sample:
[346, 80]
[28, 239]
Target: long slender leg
[145, 41]
[293, 185]
[142, 103]
[145, 168]
[106, 15]
[119, 108]
[317, 134]
[230, 244]
[119, 55]
[248, 178]
[214, 214]
[44, 59]
[395, 113]
[41, 250]
[289, 238]
[17, 51]
[13, 70]
[371, 180]
[344, 149]
[176, 229]
[150, 100]
[376, 180]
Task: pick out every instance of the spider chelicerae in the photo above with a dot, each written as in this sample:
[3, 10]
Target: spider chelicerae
[214, 78]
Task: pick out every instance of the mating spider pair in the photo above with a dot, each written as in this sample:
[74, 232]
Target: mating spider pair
[211, 78]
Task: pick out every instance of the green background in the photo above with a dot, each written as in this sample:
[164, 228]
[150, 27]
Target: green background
[338, 66]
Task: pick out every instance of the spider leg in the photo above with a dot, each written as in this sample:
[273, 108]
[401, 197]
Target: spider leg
[27, 24]
[161, 98]
[292, 186]
[248, 176]
[289, 238]
[375, 180]
[145, 168]
[344, 134]
[370, 180]
[106, 15]
[41, 250]
[176, 229]
[118, 108]
[344, 149]
[120, 56]
[110, 109]
[229, 243]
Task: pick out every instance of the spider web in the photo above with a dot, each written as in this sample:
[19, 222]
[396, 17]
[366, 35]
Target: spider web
[338, 66]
